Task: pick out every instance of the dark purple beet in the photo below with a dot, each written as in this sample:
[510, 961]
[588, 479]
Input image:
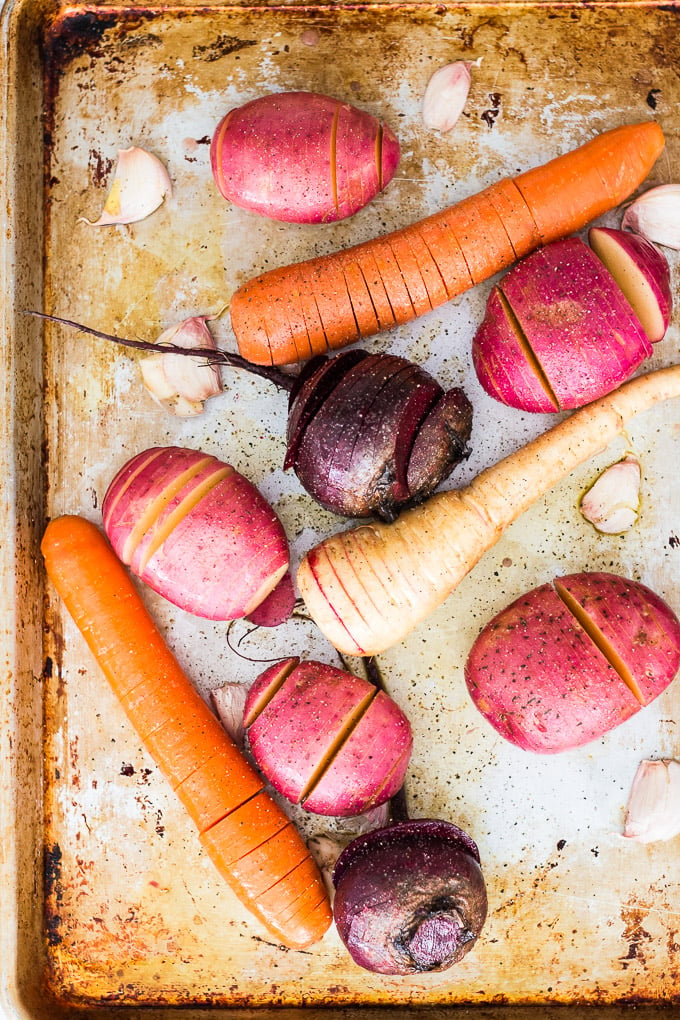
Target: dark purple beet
[373, 433]
[368, 434]
[409, 897]
[315, 382]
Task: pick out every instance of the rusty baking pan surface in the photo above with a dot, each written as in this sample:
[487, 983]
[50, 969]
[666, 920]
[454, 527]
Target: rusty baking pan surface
[109, 905]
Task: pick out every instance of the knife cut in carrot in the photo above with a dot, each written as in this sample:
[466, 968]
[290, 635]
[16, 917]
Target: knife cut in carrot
[249, 838]
[468, 243]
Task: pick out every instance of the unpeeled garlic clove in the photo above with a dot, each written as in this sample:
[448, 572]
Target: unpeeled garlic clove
[179, 383]
[612, 503]
[139, 185]
[229, 701]
[446, 95]
[325, 850]
[656, 215]
[653, 809]
[374, 818]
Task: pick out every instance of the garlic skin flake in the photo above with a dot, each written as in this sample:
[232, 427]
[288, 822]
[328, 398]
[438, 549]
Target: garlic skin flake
[653, 809]
[325, 850]
[176, 382]
[612, 503]
[139, 185]
[656, 215]
[446, 95]
[230, 701]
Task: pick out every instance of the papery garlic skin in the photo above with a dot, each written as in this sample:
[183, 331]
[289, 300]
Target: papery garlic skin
[374, 818]
[325, 850]
[653, 809]
[139, 185]
[446, 95]
[178, 383]
[656, 215]
[229, 701]
[612, 503]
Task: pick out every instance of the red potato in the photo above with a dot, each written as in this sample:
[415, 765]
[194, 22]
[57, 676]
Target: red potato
[558, 332]
[302, 157]
[643, 274]
[196, 531]
[326, 738]
[569, 661]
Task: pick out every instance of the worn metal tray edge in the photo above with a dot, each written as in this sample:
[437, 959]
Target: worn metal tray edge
[22, 950]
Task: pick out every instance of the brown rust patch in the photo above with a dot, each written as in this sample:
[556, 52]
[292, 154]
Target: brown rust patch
[52, 864]
[222, 46]
[635, 934]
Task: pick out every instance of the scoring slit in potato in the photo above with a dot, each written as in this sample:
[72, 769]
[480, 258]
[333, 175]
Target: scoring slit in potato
[570, 660]
[325, 738]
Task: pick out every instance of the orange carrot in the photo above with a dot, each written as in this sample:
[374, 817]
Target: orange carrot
[249, 838]
[467, 243]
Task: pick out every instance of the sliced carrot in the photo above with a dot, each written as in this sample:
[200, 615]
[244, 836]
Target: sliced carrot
[446, 252]
[333, 301]
[515, 215]
[289, 900]
[298, 325]
[302, 298]
[153, 705]
[471, 220]
[244, 306]
[432, 277]
[410, 271]
[318, 918]
[243, 830]
[362, 302]
[302, 909]
[395, 288]
[252, 874]
[209, 793]
[364, 258]
[560, 197]
[189, 743]
[185, 742]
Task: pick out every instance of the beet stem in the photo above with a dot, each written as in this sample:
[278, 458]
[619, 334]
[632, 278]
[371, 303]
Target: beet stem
[211, 354]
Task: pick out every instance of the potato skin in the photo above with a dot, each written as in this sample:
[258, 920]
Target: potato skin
[302, 157]
[224, 548]
[557, 332]
[297, 718]
[545, 685]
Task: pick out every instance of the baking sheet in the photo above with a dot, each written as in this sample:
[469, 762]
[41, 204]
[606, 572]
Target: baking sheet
[134, 914]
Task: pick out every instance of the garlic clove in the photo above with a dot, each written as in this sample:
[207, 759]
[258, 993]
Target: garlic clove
[612, 503]
[139, 185]
[374, 818]
[229, 701]
[154, 378]
[176, 382]
[656, 215]
[446, 95]
[653, 809]
[325, 850]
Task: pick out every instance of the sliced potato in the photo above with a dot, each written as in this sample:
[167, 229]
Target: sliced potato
[570, 660]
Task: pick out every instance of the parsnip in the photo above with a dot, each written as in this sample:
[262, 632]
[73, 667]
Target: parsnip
[421, 558]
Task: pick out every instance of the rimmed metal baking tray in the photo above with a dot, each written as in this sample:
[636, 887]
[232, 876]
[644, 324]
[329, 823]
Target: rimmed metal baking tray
[109, 908]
